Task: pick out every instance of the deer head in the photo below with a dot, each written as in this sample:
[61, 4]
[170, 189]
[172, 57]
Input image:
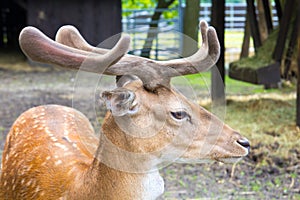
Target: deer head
[146, 114]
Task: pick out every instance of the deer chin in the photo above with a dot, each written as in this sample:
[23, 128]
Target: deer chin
[229, 160]
[194, 161]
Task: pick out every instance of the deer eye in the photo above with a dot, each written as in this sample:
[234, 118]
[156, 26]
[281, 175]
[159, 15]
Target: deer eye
[180, 115]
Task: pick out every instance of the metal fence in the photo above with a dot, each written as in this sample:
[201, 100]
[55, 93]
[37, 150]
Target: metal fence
[235, 15]
[168, 42]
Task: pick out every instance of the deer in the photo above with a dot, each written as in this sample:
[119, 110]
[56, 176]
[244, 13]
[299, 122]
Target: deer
[52, 152]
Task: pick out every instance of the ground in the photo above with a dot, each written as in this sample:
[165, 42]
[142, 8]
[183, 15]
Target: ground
[271, 171]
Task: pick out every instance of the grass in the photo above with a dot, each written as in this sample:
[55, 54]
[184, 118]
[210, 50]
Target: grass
[263, 56]
[266, 121]
[203, 80]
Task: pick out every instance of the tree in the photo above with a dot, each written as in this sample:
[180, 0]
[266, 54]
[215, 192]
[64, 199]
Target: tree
[152, 32]
[190, 27]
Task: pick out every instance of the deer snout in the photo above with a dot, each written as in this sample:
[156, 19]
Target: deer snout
[244, 143]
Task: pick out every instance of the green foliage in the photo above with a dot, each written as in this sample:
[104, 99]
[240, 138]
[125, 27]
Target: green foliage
[227, 1]
[172, 13]
[148, 4]
[138, 4]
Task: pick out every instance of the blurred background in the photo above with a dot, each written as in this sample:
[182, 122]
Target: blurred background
[256, 77]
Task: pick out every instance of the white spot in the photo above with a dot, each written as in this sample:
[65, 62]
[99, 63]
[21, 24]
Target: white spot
[35, 116]
[48, 157]
[37, 189]
[23, 121]
[48, 131]
[29, 167]
[50, 134]
[35, 126]
[66, 132]
[58, 162]
[29, 183]
[61, 146]
[14, 163]
[54, 139]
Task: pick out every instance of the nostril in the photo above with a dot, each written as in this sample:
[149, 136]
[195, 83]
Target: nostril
[245, 143]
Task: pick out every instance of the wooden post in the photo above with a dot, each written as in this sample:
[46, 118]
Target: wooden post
[290, 50]
[262, 25]
[278, 9]
[1, 23]
[268, 17]
[298, 78]
[218, 74]
[253, 24]
[283, 29]
[190, 27]
[246, 40]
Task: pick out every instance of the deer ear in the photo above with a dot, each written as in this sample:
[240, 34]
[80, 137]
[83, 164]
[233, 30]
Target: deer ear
[120, 101]
[125, 79]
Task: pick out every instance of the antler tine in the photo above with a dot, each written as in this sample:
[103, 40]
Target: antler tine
[70, 36]
[40, 48]
[202, 60]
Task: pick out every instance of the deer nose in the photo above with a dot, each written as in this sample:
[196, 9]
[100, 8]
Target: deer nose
[245, 143]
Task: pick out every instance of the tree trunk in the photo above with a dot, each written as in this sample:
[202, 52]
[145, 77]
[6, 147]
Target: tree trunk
[262, 21]
[190, 27]
[246, 40]
[253, 24]
[152, 32]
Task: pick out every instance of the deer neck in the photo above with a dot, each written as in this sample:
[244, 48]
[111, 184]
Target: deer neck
[122, 172]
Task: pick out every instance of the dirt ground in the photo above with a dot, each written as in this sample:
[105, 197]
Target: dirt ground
[24, 87]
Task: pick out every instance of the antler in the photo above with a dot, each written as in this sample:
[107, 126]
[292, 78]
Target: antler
[152, 73]
[161, 71]
[40, 48]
